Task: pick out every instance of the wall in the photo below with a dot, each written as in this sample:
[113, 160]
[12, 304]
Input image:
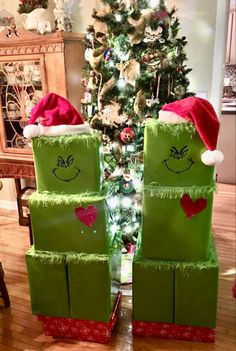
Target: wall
[198, 23]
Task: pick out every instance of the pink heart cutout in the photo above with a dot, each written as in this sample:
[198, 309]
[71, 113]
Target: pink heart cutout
[87, 216]
[190, 207]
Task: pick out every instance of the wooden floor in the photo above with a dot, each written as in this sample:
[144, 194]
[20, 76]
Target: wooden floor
[19, 330]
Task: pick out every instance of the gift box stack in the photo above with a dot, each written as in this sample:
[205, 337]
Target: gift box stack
[74, 264]
[175, 269]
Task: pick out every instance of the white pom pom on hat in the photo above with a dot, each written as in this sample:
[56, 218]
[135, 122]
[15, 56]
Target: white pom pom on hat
[201, 113]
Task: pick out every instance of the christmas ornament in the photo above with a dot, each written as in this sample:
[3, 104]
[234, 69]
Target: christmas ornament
[93, 81]
[152, 101]
[107, 55]
[179, 91]
[87, 215]
[139, 25]
[139, 103]
[126, 185]
[152, 35]
[127, 135]
[126, 4]
[88, 54]
[110, 116]
[87, 98]
[159, 15]
[190, 207]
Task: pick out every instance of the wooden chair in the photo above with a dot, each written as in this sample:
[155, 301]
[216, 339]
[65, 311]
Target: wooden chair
[3, 289]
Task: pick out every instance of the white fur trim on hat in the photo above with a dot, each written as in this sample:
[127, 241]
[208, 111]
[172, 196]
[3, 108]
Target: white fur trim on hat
[212, 158]
[32, 130]
[171, 117]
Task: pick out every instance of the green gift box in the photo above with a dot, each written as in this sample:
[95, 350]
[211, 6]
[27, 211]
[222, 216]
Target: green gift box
[68, 164]
[70, 222]
[172, 155]
[196, 290]
[94, 281]
[48, 284]
[177, 222]
[153, 290]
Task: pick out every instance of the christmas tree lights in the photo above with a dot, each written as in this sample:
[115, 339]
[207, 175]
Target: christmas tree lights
[135, 63]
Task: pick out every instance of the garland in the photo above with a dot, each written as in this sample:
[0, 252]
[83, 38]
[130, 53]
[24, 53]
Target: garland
[64, 141]
[173, 192]
[174, 130]
[146, 263]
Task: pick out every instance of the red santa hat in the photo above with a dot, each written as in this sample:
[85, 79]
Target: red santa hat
[55, 116]
[201, 113]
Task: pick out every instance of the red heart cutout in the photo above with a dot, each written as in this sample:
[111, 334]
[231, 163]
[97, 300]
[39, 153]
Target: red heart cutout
[190, 207]
[87, 216]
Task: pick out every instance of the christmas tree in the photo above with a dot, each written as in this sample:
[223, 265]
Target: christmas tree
[135, 63]
[27, 6]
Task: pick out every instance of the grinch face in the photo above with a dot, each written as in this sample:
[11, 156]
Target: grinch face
[179, 161]
[65, 169]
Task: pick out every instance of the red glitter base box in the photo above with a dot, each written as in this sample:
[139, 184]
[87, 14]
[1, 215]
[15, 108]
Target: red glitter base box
[84, 330]
[173, 331]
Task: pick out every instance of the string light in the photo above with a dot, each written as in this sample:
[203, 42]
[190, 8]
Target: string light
[118, 17]
[126, 202]
[154, 3]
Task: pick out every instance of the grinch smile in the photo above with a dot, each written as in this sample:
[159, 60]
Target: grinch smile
[64, 170]
[178, 171]
[65, 178]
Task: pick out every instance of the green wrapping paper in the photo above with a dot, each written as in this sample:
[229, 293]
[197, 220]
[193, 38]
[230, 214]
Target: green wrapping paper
[172, 155]
[184, 293]
[58, 225]
[196, 291]
[48, 284]
[68, 164]
[167, 232]
[153, 291]
[93, 285]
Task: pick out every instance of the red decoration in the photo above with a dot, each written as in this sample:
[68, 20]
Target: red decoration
[85, 330]
[173, 331]
[87, 216]
[190, 207]
[159, 15]
[127, 135]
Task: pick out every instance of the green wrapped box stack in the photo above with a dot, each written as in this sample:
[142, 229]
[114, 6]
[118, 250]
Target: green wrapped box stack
[74, 264]
[175, 268]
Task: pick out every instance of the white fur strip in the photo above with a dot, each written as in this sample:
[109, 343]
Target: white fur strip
[171, 117]
[33, 130]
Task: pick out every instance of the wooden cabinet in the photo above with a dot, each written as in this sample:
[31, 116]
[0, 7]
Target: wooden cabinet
[31, 66]
[231, 39]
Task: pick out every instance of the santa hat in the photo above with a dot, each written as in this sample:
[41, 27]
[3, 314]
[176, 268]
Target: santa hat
[56, 116]
[201, 113]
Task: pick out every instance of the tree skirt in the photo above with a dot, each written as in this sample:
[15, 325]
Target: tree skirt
[173, 331]
[85, 330]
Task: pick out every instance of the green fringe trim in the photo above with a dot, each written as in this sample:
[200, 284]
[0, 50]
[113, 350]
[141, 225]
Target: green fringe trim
[47, 257]
[171, 192]
[174, 130]
[84, 258]
[47, 198]
[57, 258]
[64, 141]
[152, 264]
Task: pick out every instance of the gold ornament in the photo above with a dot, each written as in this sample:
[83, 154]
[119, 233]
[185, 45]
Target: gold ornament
[139, 103]
[105, 89]
[130, 70]
[102, 9]
[139, 25]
